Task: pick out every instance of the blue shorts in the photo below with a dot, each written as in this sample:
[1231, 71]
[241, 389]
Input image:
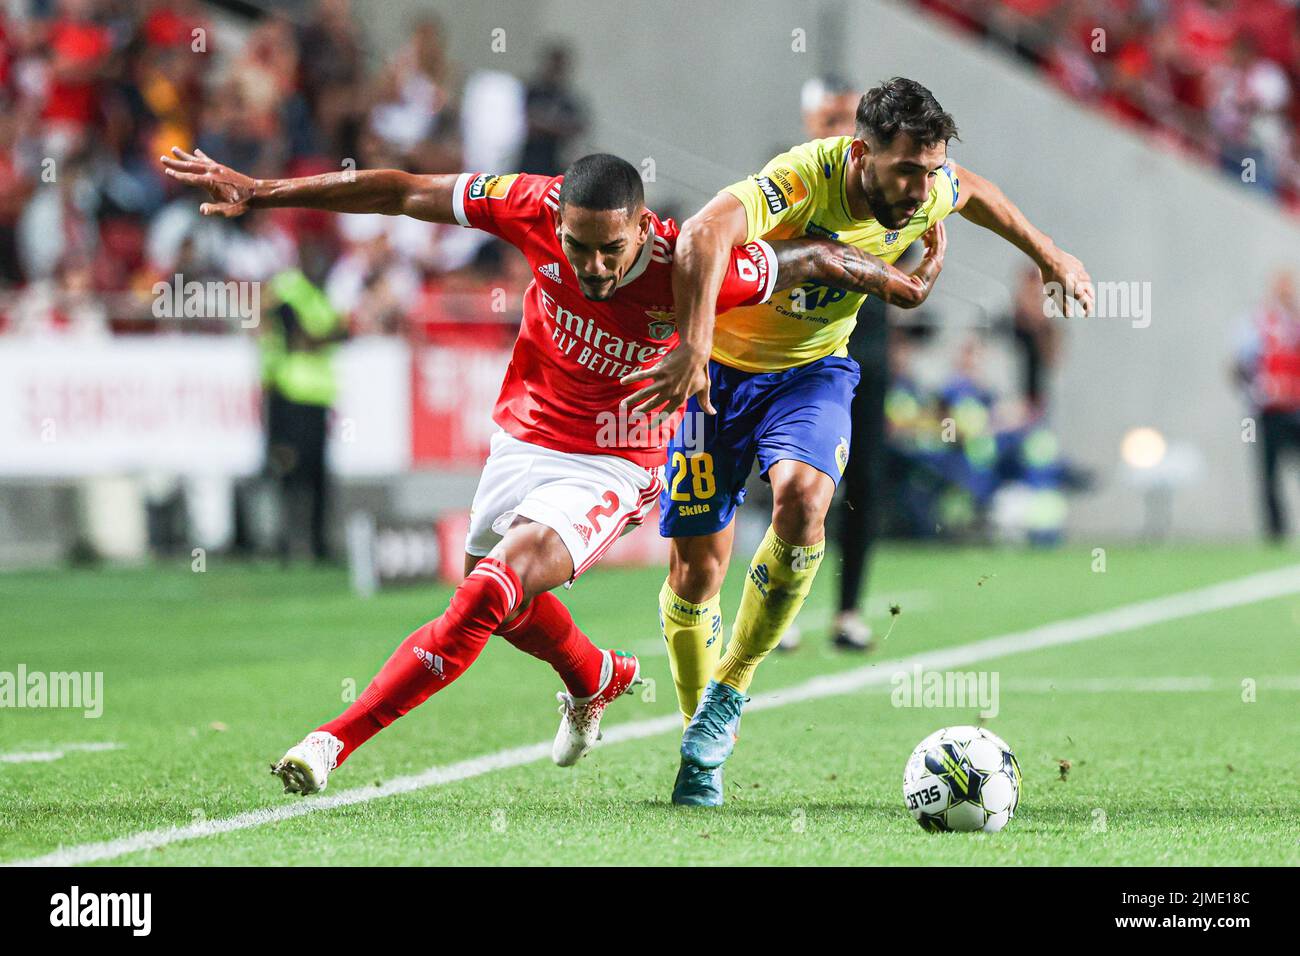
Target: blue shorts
[800, 414]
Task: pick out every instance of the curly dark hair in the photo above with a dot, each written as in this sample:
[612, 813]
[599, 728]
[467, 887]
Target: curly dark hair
[901, 105]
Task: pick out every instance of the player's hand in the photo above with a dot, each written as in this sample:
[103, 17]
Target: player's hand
[680, 374]
[1065, 278]
[936, 243]
[231, 191]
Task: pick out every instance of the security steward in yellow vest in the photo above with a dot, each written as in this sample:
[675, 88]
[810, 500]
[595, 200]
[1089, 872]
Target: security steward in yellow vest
[300, 386]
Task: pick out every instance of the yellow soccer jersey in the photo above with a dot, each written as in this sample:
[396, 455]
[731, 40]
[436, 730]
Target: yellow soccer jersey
[801, 193]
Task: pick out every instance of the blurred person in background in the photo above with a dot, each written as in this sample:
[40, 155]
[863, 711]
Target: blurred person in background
[415, 104]
[377, 277]
[556, 115]
[333, 75]
[829, 106]
[1037, 339]
[1268, 366]
[301, 330]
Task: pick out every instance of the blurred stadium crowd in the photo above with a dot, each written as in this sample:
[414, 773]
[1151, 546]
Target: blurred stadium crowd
[93, 91]
[1218, 79]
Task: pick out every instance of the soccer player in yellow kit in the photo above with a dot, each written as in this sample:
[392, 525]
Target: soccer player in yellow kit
[775, 383]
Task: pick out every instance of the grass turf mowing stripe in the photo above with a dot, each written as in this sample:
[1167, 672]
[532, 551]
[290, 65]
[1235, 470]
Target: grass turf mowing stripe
[1126, 618]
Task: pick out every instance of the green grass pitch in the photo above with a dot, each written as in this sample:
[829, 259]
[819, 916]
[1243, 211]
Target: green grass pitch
[209, 676]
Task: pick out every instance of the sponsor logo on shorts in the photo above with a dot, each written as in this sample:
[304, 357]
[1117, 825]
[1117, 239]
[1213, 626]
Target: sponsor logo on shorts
[583, 532]
[842, 454]
[689, 511]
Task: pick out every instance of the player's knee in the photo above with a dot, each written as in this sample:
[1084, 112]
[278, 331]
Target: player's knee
[537, 556]
[799, 506]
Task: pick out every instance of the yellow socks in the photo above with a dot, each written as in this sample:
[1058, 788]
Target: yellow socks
[779, 579]
[694, 636]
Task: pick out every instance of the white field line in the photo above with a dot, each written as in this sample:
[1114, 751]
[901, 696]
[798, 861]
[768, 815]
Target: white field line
[1130, 617]
[45, 756]
[1122, 685]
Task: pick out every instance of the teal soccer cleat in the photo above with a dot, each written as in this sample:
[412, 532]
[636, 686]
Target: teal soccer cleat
[697, 787]
[711, 736]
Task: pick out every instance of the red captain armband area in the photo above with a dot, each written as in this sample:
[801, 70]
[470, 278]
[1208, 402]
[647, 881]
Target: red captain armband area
[751, 277]
[506, 205]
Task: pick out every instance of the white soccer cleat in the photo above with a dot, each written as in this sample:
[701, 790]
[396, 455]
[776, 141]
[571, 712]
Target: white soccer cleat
[852, 633]
[580, 717]
[305, 767]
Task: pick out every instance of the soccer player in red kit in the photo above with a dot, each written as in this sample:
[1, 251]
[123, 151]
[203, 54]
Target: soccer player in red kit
[569, 471]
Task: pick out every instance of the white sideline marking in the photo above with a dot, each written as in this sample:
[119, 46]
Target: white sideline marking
[1216, 597]
[1127, 685]
[45, 756]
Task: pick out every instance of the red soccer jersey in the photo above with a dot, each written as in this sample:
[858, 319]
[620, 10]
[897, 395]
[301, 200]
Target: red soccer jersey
[562, 388]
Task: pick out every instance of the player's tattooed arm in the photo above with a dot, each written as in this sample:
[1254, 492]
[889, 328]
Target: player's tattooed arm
[842, 266]
[391, 192]
[984, 204]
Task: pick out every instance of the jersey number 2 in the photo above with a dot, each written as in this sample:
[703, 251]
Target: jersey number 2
[607, 509]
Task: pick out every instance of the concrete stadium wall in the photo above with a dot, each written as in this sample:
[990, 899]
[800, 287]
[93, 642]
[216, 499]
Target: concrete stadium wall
[710, 90]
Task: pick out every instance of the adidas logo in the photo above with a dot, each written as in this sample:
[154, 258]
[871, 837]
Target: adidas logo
[551, 271]
[432, 661]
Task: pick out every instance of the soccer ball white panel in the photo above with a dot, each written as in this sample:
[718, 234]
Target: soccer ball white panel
[997, 821]
[998, 793]
[984, 755]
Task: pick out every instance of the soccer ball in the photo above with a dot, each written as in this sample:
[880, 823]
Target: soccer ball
[962, 778]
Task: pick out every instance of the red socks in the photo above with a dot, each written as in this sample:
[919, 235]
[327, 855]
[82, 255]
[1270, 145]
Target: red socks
[546, 630]
[435, 654]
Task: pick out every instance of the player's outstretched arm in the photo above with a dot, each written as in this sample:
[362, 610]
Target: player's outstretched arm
[847, 267]
[984, 204]
[388, 191]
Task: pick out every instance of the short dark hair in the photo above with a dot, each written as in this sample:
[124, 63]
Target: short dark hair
[901, 105]
[602, 181]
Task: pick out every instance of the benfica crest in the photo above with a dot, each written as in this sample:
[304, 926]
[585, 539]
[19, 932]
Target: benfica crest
[662, 325]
